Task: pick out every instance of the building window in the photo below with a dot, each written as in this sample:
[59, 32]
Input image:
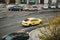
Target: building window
[12, 2]
[23, 1]
[2, 1]
[32, 1]
[41, 1]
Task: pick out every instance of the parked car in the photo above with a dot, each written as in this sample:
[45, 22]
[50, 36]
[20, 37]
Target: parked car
[31, 8]
[31, 21]
[2, 5]
[22, 34]
[52, 6]
[45, 6]
[25, 8]
[58, 5]
[16, 36]
[16, 8]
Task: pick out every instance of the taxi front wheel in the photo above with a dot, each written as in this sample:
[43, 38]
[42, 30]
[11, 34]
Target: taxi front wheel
[41, 22]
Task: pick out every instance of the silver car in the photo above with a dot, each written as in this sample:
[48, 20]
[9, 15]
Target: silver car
[45, 6]
[53, 6]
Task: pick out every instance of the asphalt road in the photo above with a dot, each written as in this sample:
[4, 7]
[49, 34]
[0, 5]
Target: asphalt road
[11, 23]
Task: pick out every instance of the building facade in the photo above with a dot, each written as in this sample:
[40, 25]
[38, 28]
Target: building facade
[27, 1]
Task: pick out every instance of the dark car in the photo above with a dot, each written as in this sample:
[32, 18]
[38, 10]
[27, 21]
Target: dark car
[58, 5]
[22, 34]
[16, 36]
[16, 8]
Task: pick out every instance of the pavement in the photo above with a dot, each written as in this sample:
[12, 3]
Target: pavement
[5, 13]
[12, 21]
[15, 14]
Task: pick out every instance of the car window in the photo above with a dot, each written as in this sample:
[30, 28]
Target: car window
[34, 20]
[16, 6]
[8, 38]
[26, 20]
[34, 6]
[14, 34]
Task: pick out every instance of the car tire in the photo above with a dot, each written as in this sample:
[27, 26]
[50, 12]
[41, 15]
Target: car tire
[41, 22]
[9, 9]
[21, 9]
[18, 9]
[30, 25]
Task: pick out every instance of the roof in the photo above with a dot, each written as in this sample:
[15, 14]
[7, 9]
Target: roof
[31, 18]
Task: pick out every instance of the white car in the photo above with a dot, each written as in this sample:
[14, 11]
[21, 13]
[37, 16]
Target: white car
[45, 6]
[2, 5]
[25, 8]
[34, 8]
[31, 8]
[58, 5]
[53, 6]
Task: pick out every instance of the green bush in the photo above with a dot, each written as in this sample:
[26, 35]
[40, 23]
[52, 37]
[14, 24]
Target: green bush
[54, 27]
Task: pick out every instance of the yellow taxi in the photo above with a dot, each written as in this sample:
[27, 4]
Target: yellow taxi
[31, 21]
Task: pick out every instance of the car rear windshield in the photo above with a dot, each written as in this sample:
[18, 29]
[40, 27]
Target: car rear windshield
[26, 20]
